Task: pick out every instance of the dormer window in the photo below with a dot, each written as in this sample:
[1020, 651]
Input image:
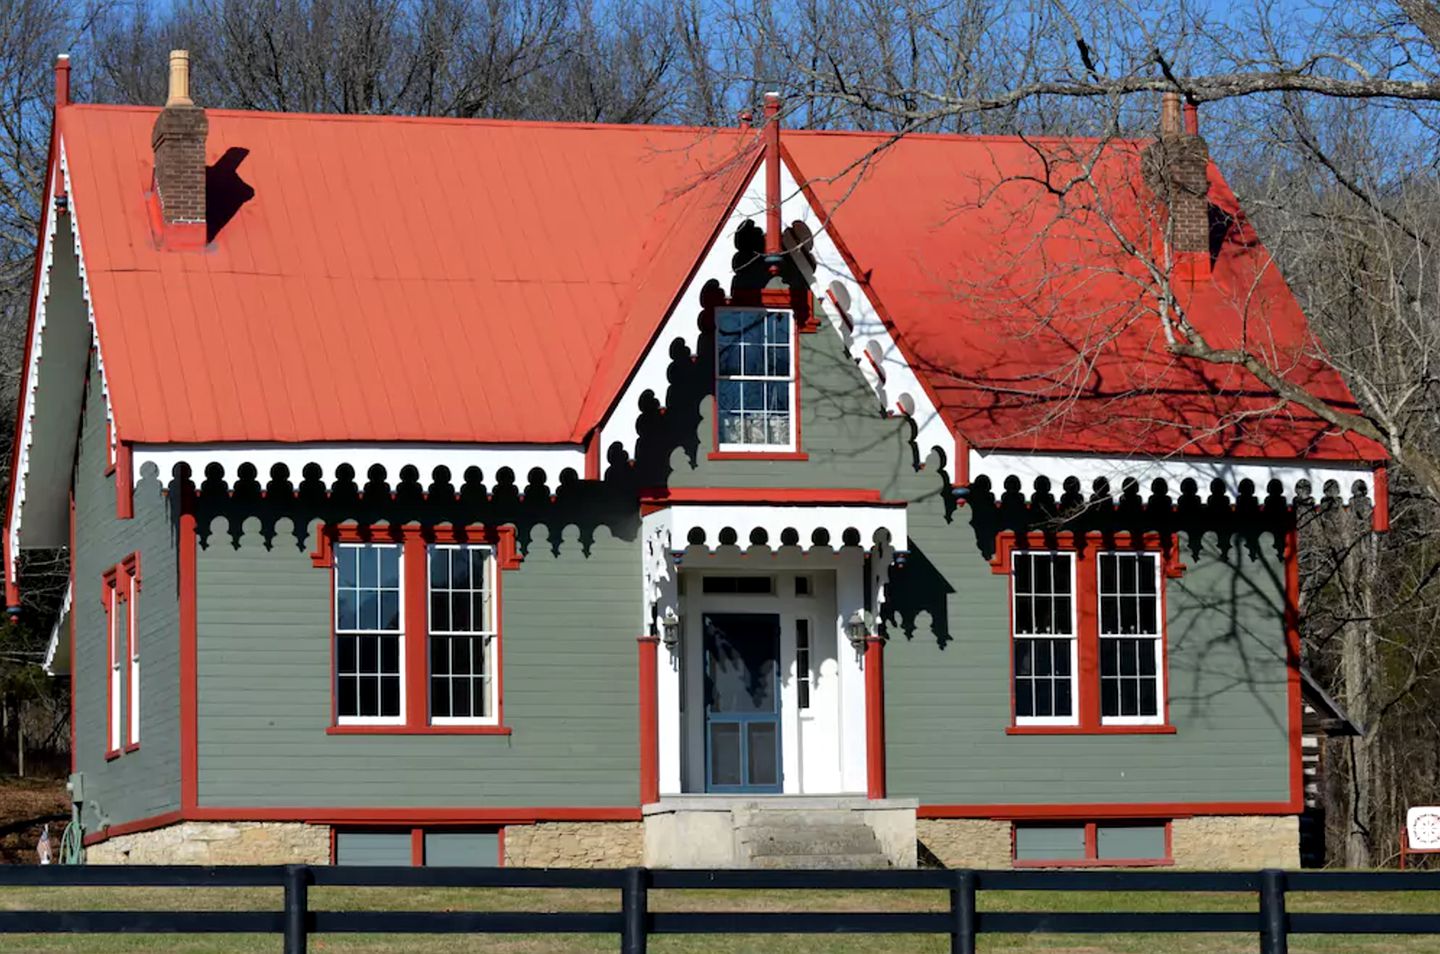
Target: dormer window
[755, 396]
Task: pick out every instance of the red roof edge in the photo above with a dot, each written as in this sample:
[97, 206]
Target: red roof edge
[52, 163]
[592, 416]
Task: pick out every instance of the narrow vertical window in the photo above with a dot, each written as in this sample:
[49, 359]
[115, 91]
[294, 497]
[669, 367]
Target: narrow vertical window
[1129, 587]
[1043, 620]
[115, 656]
[754, 380]
[462, 629]
[368, 660]
[802, 663]
[132, 632]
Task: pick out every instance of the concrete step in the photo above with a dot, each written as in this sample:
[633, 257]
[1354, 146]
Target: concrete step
[807, 840]
[822, 862]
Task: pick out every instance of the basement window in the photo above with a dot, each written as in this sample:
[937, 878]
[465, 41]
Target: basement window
[1079, 844]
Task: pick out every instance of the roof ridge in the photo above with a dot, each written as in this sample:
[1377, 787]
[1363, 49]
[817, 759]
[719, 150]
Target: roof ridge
[489, 122]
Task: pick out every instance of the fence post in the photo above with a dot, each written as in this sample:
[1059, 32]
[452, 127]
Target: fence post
[297, 906]
[962, 913]
[1273, 938]
[634, 909]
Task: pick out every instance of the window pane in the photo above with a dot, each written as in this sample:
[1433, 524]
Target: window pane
[460, 693]
[369, 653]
[345, 572]
[389, 653]
[390, 610]
[369, 610]
[349, 697]
[459, 570]
[1062, 615]
[390, 696]
[1127, 573]
[1109, 697]
[728, 358]
[345, 655]
[763, 762]
[1024, 697]
[724, 753]
[369, 696]
[439, 697]
[1148, 566]
[346, 610]
[1107, 573]
[1022, 573]
[1129, 697]
[1062, 697]
[1060, 570]
[1042, 574]
[1024, 657]
[439, 612]
[460, 612]
[389, 558]
[369, 567]
[439, 655]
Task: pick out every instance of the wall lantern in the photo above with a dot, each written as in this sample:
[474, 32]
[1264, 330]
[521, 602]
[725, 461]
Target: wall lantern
[670, 628]
[856, 629]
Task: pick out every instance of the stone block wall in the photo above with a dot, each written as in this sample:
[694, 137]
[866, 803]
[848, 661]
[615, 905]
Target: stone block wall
[575, 845]
[217, 843]
[1246, 842]
[965, 842]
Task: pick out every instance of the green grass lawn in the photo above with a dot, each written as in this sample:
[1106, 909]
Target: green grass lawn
[442, 899]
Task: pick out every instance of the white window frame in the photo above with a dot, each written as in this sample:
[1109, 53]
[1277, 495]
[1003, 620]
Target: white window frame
[1156, 641]
[490, 634]
[337, 632]
[1074, 717]
[133, 651]
[117, 702]
[793, 379]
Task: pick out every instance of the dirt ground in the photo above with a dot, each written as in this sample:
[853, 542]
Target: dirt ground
[25, 806]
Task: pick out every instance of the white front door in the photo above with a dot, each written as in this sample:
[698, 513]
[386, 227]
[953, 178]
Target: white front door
[729, 618]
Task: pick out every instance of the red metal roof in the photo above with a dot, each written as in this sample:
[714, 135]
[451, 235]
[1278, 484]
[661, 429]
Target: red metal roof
[1025, 315]
[397, 279]
[390, 279]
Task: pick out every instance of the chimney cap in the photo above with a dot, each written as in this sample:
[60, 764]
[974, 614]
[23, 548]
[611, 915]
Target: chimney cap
[1169, 113]
[179, 94]
[772, 103]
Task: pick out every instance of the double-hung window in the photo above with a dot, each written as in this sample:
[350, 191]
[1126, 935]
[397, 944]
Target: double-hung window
[368, 633]
[1129, 592]
[1044, 638]
[462, 629]
[1087, 635]
[755, 392]
[417, 627]
[119, 595]
[115, 652]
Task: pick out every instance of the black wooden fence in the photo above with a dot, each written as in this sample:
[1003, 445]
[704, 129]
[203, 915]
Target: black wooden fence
[635, 922]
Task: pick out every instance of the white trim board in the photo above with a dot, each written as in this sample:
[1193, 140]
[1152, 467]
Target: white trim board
[678, 520]
[1087, 469]
[490, 458]
[901, 389]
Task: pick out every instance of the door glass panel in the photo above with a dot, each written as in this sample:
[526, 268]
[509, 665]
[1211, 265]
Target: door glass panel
[741, 665]
[725, 753]
[764, 757]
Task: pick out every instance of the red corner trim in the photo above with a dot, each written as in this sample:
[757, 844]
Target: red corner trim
[664, 496]
[1102, 729]
[419, 729]
[74, 596]
[1380, 513]
[131, 827]
[321, 815]
[417, 847]
[649, 648]
[874, 717]
[189, 710]
[124, 483]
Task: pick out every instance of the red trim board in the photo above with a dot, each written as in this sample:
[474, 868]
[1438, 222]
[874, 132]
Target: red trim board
[189, 710]
[649, 651]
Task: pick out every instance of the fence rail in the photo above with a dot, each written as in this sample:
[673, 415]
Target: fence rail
[635, 922]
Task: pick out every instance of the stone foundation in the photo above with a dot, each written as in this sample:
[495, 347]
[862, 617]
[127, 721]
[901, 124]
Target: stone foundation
[1236, 841]
[965, 842]
[217, 843]
[575, 845]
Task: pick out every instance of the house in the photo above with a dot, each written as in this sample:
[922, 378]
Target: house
[551, 494]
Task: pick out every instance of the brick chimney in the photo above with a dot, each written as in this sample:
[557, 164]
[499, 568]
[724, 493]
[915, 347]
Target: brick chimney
[178, 202]
[1175, 167]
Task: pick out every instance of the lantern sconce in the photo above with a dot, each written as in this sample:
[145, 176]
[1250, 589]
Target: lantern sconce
[856, 629]
[670, 628]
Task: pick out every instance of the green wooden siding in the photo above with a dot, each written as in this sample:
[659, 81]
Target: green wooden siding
[947, 666]
[570, 676]
[145, 782]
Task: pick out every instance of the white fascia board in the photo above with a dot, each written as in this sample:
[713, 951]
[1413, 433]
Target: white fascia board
[37, 327]
[678, 520]
[62, 623]
[998, 465]
[490, 458]
[900, 391]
